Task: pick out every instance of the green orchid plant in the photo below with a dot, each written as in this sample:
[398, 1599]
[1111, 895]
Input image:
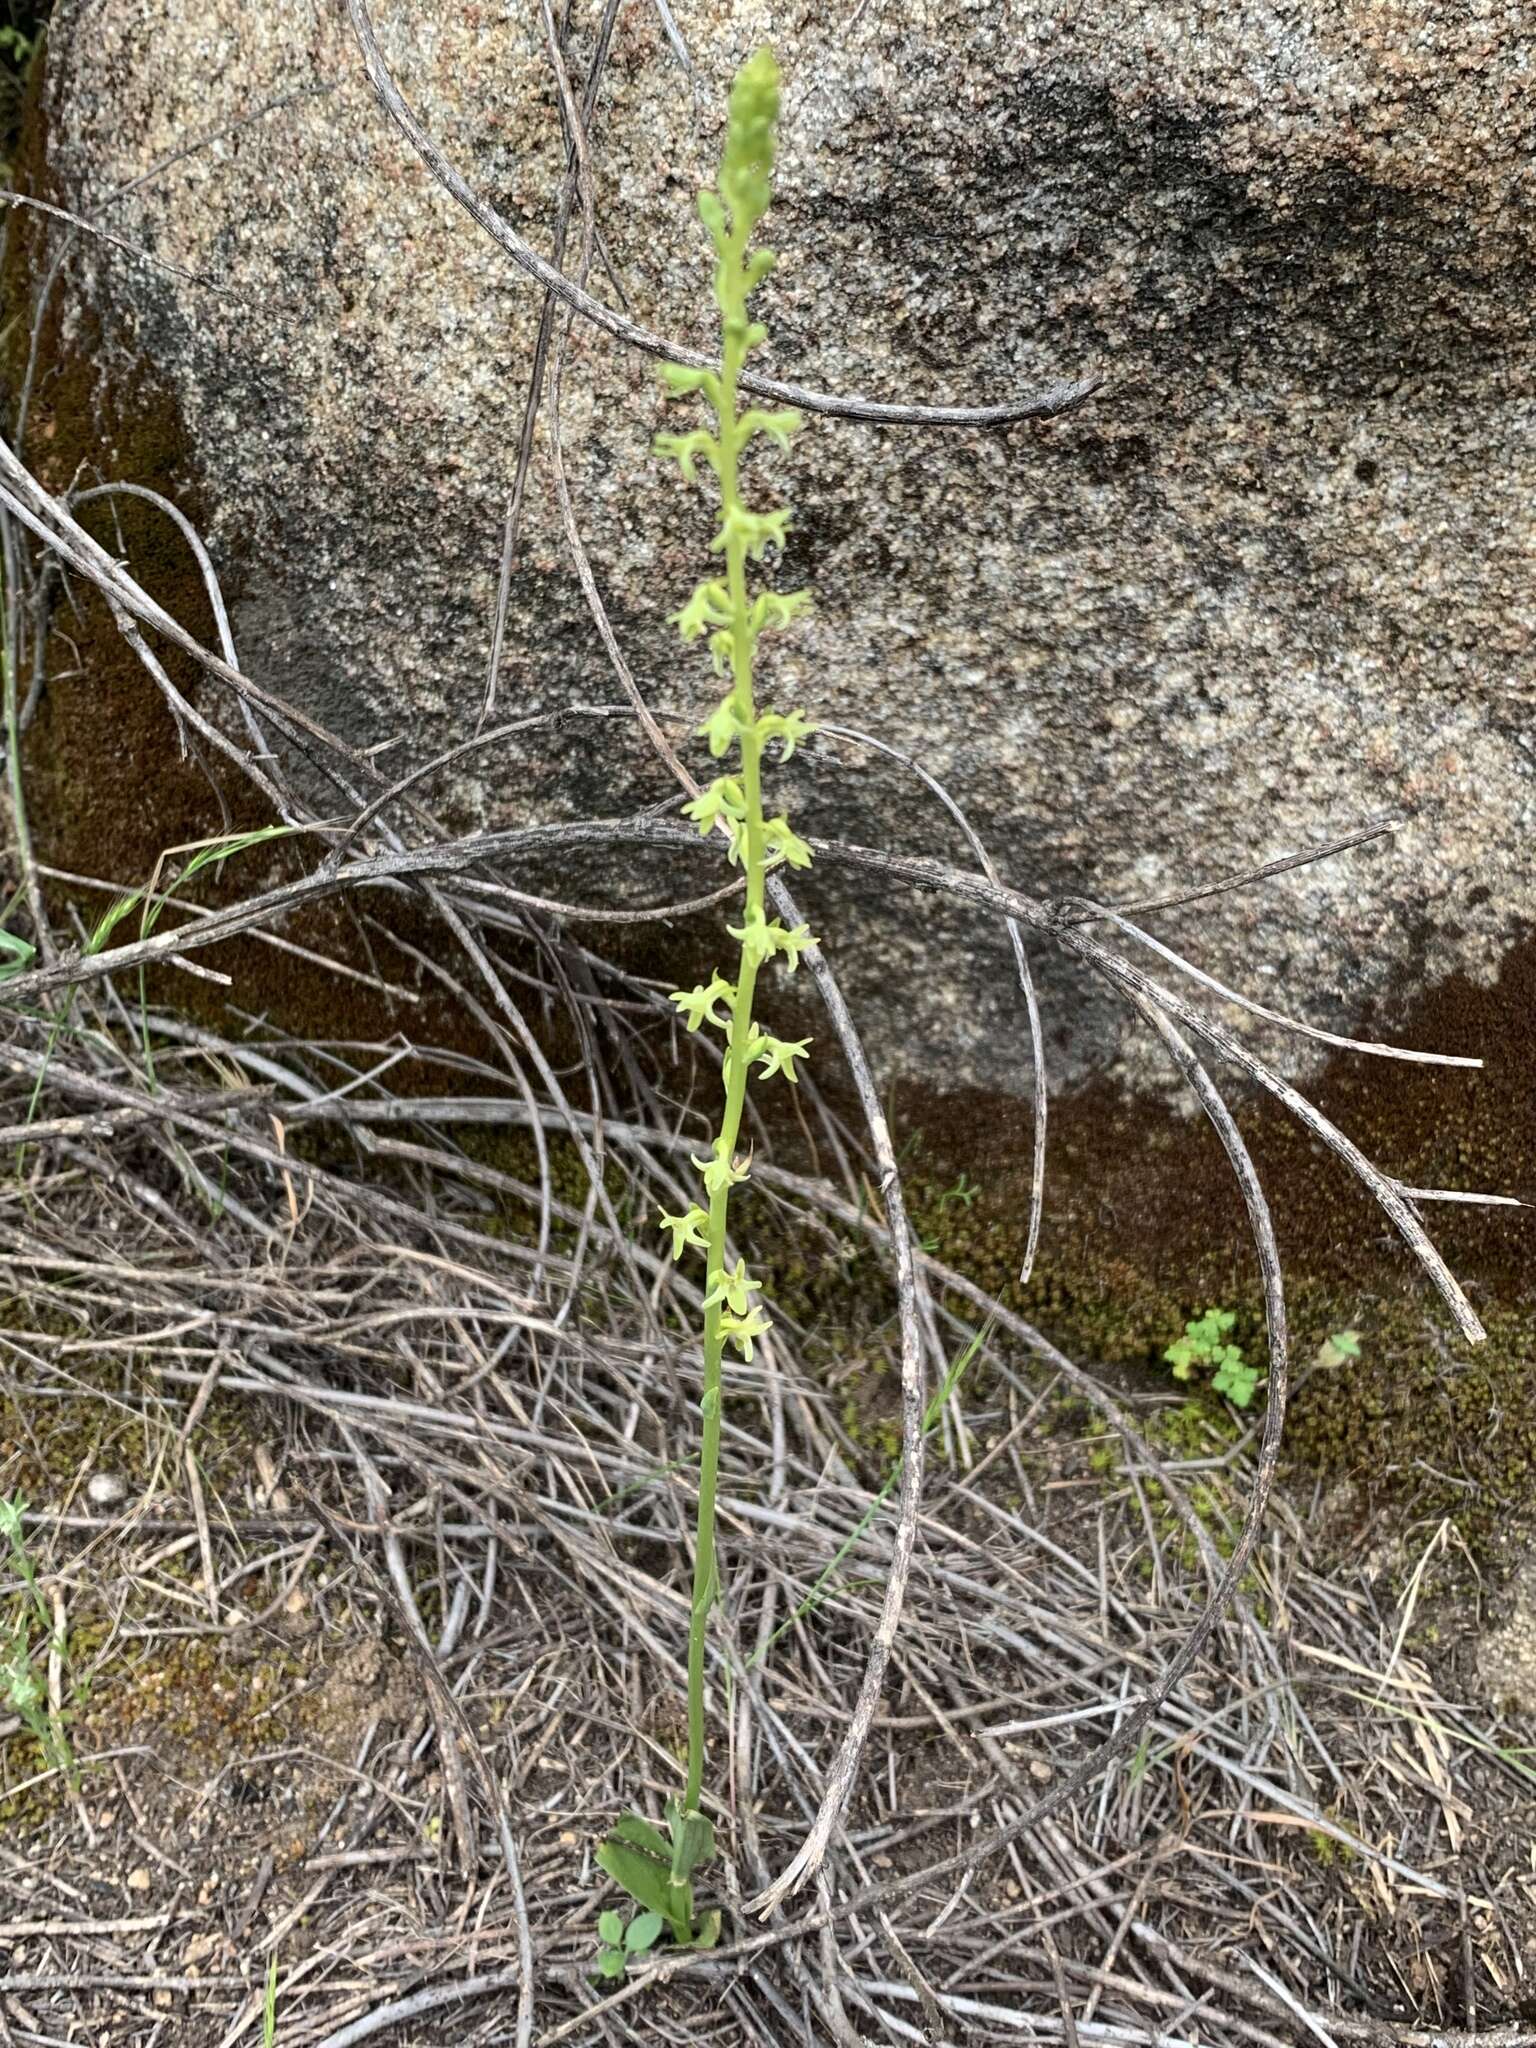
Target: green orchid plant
[657, 1870]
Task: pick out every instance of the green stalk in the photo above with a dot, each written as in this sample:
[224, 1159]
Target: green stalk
[657, 1875]
[21, 826]
[738, 1049]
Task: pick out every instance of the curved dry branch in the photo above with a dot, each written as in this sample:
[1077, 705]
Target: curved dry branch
[87, 227]
[1240, 878]
[1223, 1593]
[51, 521]
[1298, 1025]
[533, 398]
[1387, 1191]
[206, 570]
[1047, 404]
[451, 857]
[1038, 1093]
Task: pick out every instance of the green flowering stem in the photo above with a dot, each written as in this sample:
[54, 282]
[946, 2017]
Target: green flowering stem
[733, 619]
[731, 288]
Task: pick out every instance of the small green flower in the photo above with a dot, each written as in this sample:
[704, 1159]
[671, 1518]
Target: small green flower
[687, 1229]
[687, 449]
[760, 940]
[742, 333]
[782, 844]
[753, 933]
[680, 379]
[734, 1289]
[698, 1005]
[778, 1056]
[778, 426]
[709, 606]
[718, 1172]
[791, 944]
[722, 728]
[722, 799]
[721, 645]
[772, 609]
[792, 728]
[757, 531]
[743, 1331]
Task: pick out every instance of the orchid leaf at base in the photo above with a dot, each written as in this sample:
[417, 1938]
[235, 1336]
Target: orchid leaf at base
[657, 1874]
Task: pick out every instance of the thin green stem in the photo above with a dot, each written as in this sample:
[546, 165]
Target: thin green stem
[20, 825]
[19, 822]
[738, 1048]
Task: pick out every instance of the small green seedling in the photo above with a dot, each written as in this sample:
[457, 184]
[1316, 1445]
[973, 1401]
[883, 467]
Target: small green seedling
[619, 1942]
[1342, 1348]
[1203, 1346]
[964, 1192]
[16, 954]
[150, 902]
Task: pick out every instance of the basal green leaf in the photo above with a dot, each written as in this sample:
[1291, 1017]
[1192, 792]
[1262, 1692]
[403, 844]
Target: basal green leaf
[643, 1932]
[636, 1872]
[638, 1833]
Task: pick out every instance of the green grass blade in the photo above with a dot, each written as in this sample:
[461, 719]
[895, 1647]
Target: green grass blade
[935, 1409]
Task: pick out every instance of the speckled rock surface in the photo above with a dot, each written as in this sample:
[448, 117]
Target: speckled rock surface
[1279, 577]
